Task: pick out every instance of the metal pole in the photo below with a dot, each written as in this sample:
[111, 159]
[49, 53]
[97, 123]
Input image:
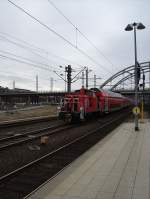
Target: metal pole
[136, 78]
[51, 83]
[142, 111]
[13, 84]
[83, 79]
[131, 82]
[65, 78]
[123, 81]
[69, 70]
[36, 83]
[149, 76]
[94, 81]
[87, 78]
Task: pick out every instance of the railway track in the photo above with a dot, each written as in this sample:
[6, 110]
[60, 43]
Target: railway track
[21, 122]
[22, 181]
[20, 138]
[11, 130]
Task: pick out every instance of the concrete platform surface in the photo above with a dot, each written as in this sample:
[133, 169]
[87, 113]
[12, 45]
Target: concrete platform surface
[118, 167]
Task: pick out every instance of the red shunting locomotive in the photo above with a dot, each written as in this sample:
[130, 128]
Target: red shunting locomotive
[86, 102]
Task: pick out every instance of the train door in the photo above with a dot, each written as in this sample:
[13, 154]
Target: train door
[67, 105]
[86, 105]
[98, 103]
[75, 105]
[106, 104]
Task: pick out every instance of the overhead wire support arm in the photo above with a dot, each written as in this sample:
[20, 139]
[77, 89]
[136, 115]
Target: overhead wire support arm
[59, 76]
[79, 73]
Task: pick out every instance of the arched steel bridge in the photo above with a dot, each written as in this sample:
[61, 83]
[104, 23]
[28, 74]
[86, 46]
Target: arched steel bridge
[122, 77]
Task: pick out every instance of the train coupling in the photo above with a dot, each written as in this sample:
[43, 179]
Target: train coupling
[68, 117]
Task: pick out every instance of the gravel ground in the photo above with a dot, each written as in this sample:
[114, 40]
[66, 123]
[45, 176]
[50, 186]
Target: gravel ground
[38, 111]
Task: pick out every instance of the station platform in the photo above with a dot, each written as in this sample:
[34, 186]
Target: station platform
[117, 167]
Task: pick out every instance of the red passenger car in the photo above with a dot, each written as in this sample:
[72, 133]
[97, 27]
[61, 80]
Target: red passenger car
[110, 101]
[84, 103]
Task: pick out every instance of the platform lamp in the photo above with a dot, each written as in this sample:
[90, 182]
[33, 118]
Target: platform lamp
[135, 26]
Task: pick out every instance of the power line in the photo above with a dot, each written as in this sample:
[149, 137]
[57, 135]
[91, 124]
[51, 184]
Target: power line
[34, 62]
[32, 47]
[13, 73]
[60, 36]
[24, 58]
[60, 12]
[20, 61]
[7, 73]
[77, 29]
[26, 43]
[22, 46]
[25, 47]
[31, 50]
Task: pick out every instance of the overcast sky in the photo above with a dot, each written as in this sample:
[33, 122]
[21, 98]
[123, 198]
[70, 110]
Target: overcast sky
[102, 22]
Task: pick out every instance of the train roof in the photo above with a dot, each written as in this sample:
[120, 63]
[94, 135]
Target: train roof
[107, 93]
[113, 94]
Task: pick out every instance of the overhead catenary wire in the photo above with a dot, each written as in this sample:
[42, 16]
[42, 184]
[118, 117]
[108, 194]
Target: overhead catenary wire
[12, 74]
[59, 35]
[32, 48]
[24, 62]
[32, 61]
[78, 30]
[22, 46]
[26, 48]
[23, 41]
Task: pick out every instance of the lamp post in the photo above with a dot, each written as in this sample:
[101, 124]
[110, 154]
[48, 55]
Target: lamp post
[134, 26]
